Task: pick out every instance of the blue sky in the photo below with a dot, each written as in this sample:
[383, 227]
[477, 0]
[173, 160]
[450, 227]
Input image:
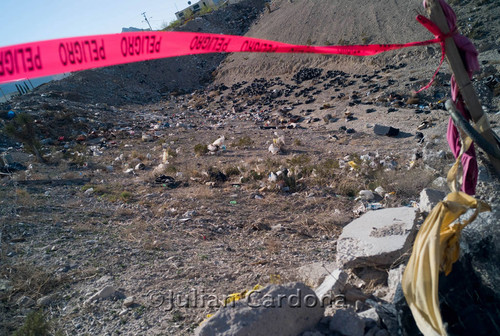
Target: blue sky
[36, 20]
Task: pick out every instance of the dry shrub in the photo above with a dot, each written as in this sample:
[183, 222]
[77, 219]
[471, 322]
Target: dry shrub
[29, 280]
[243, 142]
[273, 245]
[23, 197]
[407, 184]
[348, 184]
[200, 149]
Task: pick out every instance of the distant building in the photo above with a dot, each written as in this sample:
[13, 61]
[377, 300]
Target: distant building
[133, 29]
[197, 6]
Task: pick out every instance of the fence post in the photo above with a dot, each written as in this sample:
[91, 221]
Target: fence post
[462, 77]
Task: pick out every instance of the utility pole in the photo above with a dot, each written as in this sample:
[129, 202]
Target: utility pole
[146, 18]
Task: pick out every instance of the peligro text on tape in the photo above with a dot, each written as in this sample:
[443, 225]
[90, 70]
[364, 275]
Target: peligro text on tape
[140, 44]
[52, 57]
[210, 43]
[81, 51]
[20, 60]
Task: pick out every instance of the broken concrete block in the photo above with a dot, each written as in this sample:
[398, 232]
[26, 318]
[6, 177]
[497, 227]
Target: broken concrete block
[333, 284]
[275, 310]
[429, 198]
[314, 274]
[348, 323]
[393, 280]
[376, 238]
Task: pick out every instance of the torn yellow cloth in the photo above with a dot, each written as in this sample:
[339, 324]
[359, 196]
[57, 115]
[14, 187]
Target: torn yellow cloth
[436, 248]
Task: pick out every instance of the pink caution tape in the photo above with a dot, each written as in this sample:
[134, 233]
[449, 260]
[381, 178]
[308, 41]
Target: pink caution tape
[52, 57]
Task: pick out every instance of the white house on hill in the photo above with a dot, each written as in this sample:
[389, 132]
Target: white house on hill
[197, 6]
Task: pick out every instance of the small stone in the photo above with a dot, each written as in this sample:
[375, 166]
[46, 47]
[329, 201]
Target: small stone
[129, 301]
[104, 293]
[147, 138]
[370, 314]
[45, 301]
[278, 227]
[367, 195]
[440, 183]
[26, 302]
[429, 198]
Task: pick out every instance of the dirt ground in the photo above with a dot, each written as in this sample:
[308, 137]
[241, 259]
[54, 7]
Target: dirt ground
[190, 221]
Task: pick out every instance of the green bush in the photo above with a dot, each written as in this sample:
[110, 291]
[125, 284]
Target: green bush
[22, 129]
[200, 149]
[34, 325]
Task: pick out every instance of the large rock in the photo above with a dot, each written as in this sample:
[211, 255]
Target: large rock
[348, 323]
[275, 310]
[377, 238]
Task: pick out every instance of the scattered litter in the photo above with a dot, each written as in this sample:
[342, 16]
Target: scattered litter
[167, 181]
[353, 165]
[374, 206]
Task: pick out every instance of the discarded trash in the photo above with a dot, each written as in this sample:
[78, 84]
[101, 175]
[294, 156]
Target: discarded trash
[425, 124]
[353, 165]
[385, 130]
[374, 206]
[140, 166]
[219, 142]
[11, 114]
[274, 149]
[233, 202]
[380, 191]
[167, 181]
[147, 138]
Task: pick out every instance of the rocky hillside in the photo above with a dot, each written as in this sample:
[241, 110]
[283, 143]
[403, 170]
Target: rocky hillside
[150, 81]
